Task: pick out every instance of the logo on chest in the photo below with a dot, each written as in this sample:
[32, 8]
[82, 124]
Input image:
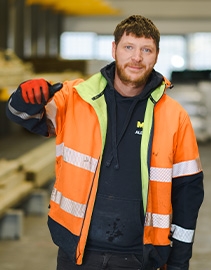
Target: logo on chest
[139, 128]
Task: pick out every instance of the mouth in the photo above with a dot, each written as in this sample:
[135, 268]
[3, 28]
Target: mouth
[135, 68]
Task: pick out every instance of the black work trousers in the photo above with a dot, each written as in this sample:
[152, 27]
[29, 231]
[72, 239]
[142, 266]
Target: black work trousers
[103, 261]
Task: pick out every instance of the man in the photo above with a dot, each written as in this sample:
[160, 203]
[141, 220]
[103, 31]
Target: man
[129, 183]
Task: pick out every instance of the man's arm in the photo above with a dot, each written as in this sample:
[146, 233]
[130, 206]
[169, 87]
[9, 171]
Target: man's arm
[187, 197]
[26, 106]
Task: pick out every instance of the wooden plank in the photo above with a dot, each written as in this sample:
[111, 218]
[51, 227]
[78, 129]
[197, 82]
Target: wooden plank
[39, 164]
[41, 170]
[35, 154]
[14, 196]
[9, 182]
[19, 177]
[7, 168]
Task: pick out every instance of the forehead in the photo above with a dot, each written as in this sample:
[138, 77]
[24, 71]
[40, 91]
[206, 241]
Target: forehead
[131, 38]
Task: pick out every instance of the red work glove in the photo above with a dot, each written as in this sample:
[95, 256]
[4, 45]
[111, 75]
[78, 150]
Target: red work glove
[38, 91]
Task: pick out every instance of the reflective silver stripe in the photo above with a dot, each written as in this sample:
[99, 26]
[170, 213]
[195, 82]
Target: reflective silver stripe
[69, 206]
[76, 158]
[158, 221]
[186, 168]
[160, 174]
[181, 234]
[23, 115]
[51, 111]
[179, 169]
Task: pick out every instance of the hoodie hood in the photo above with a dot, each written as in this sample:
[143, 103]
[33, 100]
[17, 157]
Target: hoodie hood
[113, 98]
[154, 80]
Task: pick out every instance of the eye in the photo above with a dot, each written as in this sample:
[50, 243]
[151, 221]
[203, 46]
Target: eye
[129, 47]
[147, 50]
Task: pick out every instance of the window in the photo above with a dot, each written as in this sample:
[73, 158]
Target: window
[177, 52]
[200, 51]
[78, 45]
[104, 48]
[172, 55]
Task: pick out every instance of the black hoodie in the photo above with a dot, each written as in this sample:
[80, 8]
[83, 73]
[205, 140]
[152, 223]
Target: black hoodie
[118, 217]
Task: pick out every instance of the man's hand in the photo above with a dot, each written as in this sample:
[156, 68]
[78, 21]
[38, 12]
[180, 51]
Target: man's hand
[38, 91]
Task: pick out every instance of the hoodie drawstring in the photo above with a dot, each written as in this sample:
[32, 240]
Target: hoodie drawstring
[115, 141]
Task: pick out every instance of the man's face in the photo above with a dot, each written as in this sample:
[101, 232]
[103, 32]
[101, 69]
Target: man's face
[135, 58]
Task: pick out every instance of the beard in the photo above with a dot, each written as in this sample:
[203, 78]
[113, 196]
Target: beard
[128, 80]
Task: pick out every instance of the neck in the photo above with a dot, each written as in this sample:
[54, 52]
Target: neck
[127, 89]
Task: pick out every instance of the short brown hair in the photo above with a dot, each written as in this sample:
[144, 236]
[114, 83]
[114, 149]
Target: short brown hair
[138, 26]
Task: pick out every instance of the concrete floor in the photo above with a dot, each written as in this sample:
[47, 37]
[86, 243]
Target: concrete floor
[36, 251]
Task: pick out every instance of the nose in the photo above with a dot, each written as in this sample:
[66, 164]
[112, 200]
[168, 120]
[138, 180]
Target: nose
[137, 56]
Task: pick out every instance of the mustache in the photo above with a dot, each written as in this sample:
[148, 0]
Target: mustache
[132, 64]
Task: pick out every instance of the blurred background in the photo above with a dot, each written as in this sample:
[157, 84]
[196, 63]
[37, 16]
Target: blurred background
[64, 40]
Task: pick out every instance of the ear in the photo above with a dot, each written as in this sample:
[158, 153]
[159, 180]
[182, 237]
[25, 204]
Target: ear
[114, 49]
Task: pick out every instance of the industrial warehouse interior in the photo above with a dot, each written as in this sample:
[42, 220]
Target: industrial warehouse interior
[65, 40]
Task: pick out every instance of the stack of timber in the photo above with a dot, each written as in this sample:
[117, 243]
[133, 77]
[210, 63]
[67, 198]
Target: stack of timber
[19, 177]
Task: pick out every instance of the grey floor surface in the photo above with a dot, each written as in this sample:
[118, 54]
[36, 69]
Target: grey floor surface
[36, 251]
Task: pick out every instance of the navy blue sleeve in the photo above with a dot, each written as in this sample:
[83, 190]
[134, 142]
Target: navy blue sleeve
[30, 116]
[187, 197]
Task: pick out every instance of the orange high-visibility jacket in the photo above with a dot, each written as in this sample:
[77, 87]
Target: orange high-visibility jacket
[168, 149]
